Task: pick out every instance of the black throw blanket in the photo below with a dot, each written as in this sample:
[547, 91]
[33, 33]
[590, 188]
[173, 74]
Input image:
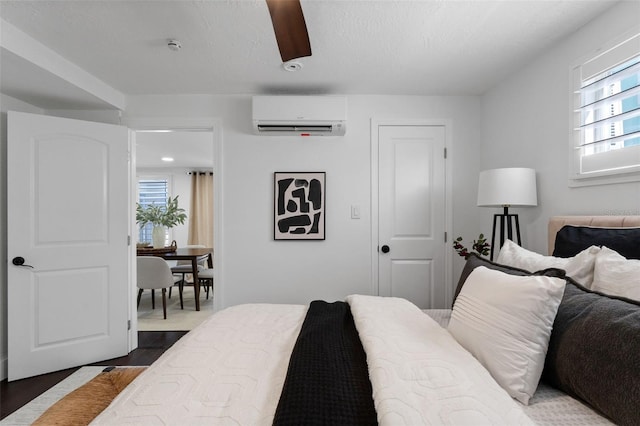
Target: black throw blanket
[327, 381]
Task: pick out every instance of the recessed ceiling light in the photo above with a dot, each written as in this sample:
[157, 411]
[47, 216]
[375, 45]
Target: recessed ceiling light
[168, 159]
[292, 66]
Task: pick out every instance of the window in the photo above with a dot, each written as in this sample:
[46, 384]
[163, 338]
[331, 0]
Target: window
[152, 191]
[606, 144]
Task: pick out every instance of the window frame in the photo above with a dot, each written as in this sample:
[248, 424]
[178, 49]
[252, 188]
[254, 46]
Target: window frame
[169, 191]
[605, 58]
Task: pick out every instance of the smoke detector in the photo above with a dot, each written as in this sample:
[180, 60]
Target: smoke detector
[292, 66]
[174, 45]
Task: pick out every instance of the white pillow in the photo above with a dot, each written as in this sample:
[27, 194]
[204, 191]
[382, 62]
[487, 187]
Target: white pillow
[505, 322]
[616, 275]
[579, 267]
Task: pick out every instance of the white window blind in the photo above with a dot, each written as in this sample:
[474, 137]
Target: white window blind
[151, 191]
[607, 113]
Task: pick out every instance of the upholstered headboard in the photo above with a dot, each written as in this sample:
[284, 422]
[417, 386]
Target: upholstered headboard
[557, 222]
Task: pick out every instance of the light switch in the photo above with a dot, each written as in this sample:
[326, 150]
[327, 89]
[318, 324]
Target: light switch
[355, 211]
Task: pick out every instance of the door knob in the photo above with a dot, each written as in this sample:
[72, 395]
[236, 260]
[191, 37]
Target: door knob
[19, 261]
[385, 249]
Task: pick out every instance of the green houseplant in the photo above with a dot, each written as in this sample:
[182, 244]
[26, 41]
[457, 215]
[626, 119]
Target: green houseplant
[161, 217]
[480, 246]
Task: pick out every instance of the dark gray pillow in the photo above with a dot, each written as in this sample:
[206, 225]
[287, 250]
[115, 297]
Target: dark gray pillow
[594, 352]
[571, 240]
[474, 260]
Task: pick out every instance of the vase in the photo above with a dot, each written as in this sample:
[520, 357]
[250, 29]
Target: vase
[158, 236]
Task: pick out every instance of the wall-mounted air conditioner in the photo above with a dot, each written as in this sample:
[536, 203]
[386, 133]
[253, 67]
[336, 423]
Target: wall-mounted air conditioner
[300, 115]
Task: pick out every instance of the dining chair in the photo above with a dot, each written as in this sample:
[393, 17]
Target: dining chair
[205, 276]
[183, 268]
[154, 273]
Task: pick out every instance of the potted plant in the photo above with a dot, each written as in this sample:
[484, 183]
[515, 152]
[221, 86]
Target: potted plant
[161, 217]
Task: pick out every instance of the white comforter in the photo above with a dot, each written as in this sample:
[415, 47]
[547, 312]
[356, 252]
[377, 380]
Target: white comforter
[230, 371]
[420, 375]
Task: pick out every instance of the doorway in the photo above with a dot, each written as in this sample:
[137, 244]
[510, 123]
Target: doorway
[195, 147]
[411, 211]
[175, 164]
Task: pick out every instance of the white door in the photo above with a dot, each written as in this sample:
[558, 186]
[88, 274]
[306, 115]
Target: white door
[67, 243]
[411, 214]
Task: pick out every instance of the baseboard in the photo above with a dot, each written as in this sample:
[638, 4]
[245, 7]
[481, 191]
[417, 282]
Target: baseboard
[3, 367]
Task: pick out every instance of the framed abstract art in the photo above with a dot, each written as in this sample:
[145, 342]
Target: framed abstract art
[299, 206]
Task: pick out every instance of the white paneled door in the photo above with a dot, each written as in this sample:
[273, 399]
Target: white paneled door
[411, 214]
[68, 255]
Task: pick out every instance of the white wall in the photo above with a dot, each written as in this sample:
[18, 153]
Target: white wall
[7, 103]
[100, 116]
[526, 123]
[258, 269]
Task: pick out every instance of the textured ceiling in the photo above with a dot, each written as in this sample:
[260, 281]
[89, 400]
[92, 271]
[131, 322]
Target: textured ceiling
[416, 47]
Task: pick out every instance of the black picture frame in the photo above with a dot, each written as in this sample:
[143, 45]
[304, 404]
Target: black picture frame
[299, 206]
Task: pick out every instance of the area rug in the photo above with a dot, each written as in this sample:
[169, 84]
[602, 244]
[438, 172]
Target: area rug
[34, 409]
[177, 319]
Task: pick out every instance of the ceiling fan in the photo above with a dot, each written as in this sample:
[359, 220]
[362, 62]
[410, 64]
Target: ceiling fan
[290, 28]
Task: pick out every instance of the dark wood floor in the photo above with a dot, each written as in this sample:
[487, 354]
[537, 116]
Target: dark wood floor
[151, 344]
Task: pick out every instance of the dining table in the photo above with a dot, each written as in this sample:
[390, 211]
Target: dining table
[193, 254]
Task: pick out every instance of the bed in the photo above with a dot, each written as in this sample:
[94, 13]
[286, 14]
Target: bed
[570, 358]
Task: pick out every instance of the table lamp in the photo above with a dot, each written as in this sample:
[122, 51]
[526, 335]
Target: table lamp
[509, 187]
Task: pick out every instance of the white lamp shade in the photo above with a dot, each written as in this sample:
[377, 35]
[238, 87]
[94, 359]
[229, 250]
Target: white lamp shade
[513, 186]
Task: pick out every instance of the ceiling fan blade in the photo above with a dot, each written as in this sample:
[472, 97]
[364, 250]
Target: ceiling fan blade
[290, 28]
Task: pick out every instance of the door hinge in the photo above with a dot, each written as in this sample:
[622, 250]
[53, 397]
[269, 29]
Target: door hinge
[445, 153]
[128, 240]
[128, 324]
[445, 236]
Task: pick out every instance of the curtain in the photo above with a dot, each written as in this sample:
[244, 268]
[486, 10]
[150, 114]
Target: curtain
[201, 210]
